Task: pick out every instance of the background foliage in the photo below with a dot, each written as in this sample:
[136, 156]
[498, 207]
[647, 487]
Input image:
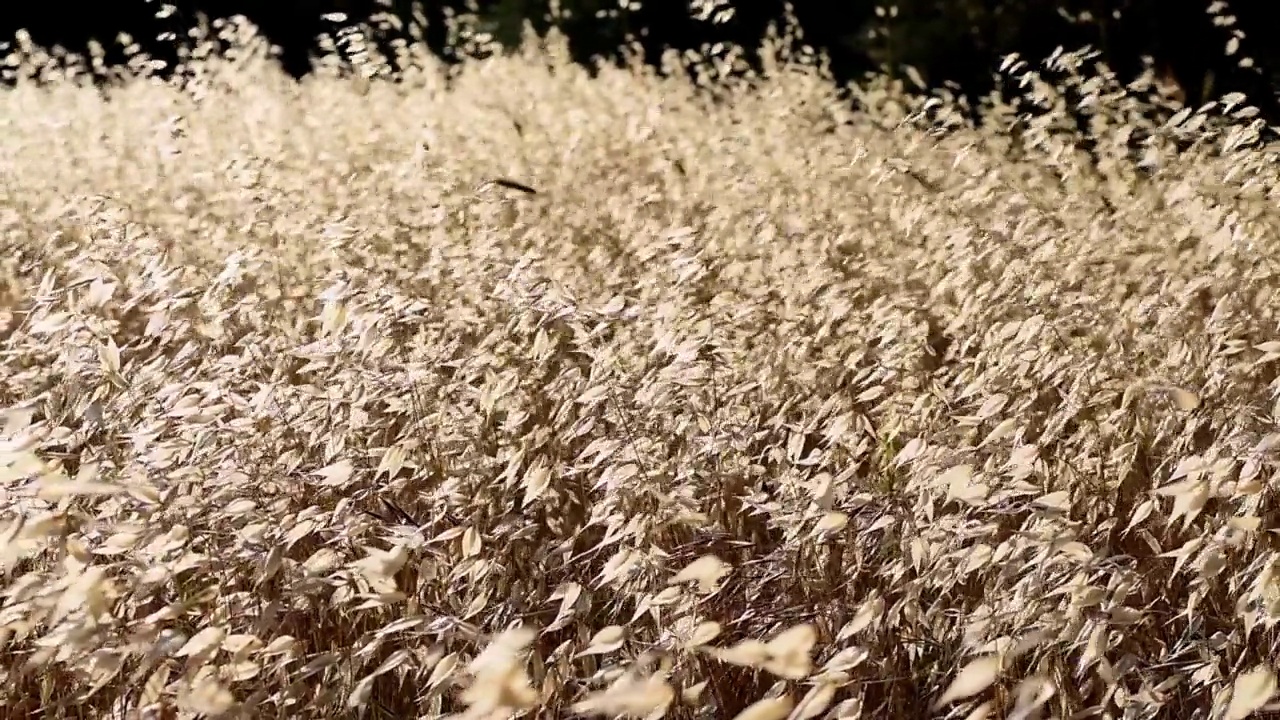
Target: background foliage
[945, 41]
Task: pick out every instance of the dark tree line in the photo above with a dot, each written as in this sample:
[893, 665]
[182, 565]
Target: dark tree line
[960, 41]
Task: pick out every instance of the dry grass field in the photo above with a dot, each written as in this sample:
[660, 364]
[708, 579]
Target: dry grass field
[754, 409]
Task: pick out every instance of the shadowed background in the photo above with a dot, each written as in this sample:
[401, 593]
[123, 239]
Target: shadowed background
[956, 41]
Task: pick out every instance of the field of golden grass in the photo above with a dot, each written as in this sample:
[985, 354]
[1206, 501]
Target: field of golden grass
[755, 409]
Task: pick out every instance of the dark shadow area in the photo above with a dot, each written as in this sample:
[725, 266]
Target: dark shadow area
[956, 41]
